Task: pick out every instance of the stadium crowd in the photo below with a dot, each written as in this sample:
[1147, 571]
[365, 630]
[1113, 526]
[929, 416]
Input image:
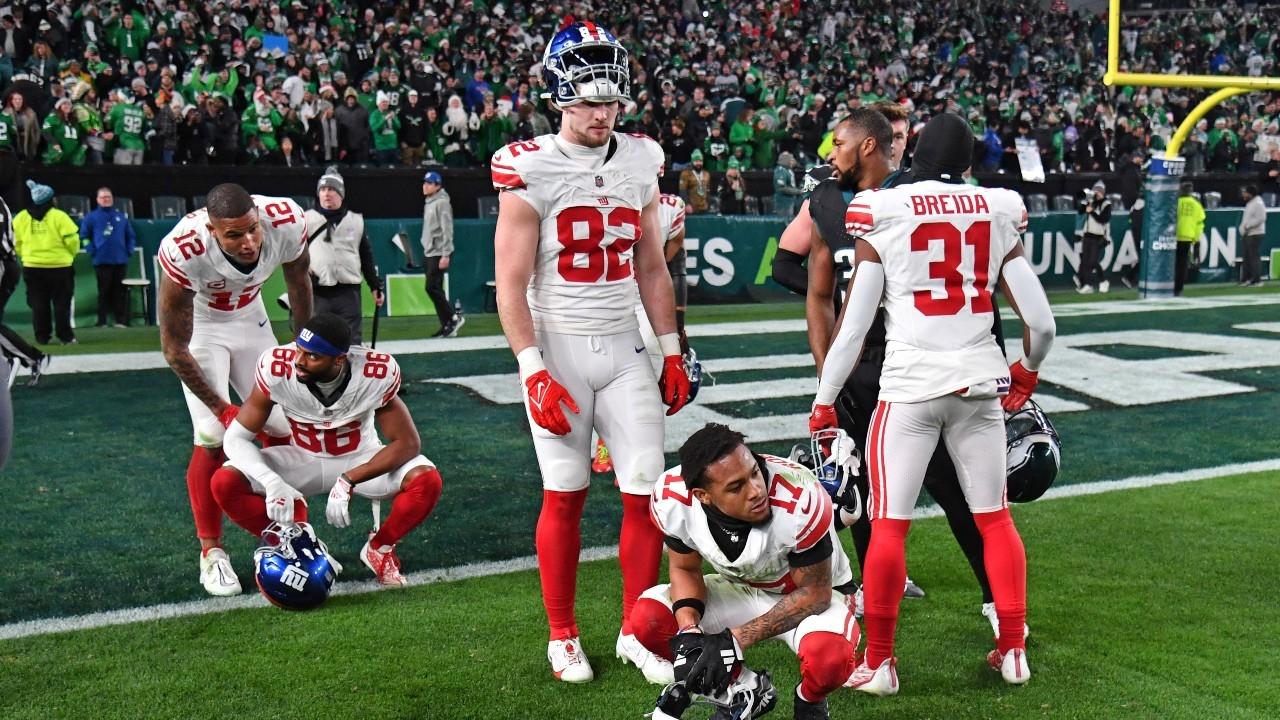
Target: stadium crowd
[740, 81]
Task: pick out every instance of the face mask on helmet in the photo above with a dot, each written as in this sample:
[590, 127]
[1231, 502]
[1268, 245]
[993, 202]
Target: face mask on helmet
[585, 62]
[292, 568]
[693, 369]
[834, 459]
[1032, 453]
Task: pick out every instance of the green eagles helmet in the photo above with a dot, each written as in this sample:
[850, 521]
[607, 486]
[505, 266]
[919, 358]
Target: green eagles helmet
[1032, 453]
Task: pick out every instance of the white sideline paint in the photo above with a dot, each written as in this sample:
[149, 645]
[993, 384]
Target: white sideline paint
[153, 360]
[32, 628]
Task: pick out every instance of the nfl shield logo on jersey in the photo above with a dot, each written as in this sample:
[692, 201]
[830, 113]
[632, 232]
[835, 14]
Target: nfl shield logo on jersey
[599, 181]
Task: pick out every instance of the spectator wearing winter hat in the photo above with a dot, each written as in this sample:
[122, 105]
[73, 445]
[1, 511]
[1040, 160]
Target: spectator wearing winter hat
[340, 255]
[355, 136]
[695, 185]
[47, 240]
[437, 249]
[126, 125]
[322, 134]
[63, 142]
[733, 190]
[385, 125]
[786, 192]
[261, 120]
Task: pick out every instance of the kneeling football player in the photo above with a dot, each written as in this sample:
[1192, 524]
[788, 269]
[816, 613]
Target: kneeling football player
[765, 525]
[333, 395]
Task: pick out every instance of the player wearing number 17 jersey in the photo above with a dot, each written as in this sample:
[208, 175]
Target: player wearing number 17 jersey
[213, 327]
[577, 237]
[336, 397]
[932, 251]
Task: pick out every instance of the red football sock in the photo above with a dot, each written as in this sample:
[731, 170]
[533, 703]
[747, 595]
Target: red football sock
[883, 578]
[204, 462]
[411, 506]
[654, 625]
[559, 540]
[639, 553]
[826, 661]
[1006, 563]
[245, 507]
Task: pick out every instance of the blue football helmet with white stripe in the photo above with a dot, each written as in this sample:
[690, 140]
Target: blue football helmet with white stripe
[292, 568]
[585, 62]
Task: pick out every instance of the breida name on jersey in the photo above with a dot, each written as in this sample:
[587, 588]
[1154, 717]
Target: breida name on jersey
[583, 280]
[800, 517]
[347, 423]
[189, 255]
[942, 245]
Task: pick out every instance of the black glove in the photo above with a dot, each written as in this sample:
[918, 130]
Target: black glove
[717, 661]
[686, 646]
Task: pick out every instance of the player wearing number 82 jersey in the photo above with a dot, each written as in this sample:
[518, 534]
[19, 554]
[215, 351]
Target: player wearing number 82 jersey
[213, 327]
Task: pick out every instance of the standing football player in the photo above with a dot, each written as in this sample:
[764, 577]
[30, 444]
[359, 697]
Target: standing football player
[932, 251]
[577, 236]
[213, 327]
[333, 395]
[764, 524]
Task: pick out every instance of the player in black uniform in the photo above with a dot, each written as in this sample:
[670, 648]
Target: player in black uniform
[860, 161]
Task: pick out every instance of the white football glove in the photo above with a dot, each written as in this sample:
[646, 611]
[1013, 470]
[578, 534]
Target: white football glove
[280, 499]
[339, 498]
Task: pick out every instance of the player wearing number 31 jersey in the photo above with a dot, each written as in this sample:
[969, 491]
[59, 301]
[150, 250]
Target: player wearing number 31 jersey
[336, 397]
[213, 327]
[577, 236]
[932, 251]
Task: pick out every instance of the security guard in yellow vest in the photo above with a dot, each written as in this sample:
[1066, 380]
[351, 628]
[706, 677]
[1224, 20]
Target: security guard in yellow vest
[1189, 229]
[340, 254]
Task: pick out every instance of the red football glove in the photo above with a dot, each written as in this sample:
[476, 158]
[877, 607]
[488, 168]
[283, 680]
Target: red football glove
[228, 416]
[674, 384]
[1022, 382]
[545, 396]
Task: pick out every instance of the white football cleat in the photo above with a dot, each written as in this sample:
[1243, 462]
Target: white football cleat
[1104, 286]
[881, 681]
[217, 575]
[656, 668]
[1012, 665]
[568, 661]
[989, 612]
[385, 565]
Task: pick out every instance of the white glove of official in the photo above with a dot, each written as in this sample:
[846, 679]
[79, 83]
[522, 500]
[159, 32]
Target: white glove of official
[339, 498]
[280, 499]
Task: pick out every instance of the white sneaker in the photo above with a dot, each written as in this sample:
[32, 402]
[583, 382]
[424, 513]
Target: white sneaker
[568, 661]
[881, 682]
[656, 668]
[1104, 286]
[458, 321]
[1085, 289]
[989, 612]
[1012, 665]
[216, 574]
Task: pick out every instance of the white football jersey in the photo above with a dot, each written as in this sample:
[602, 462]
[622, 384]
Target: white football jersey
[942, 245]
[343, 427]
[671, 210]
[583, 280]
[190, 256]
[801, 516]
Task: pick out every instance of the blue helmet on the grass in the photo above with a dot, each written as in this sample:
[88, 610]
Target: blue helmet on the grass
[585, 62]
[292, 568]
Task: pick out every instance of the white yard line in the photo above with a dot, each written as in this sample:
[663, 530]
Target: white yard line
[153, 360]
[49, 626]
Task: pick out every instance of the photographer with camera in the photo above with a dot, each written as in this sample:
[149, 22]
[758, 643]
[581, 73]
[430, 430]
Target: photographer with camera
[1096, 208]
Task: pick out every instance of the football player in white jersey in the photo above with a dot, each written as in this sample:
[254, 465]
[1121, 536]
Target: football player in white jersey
[932, 252]
[213, 327]
[764, 524]
[336, 397]
[577, 236]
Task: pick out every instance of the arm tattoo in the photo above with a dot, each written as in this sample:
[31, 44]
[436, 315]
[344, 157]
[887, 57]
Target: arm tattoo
[175, 334]
[792, 608]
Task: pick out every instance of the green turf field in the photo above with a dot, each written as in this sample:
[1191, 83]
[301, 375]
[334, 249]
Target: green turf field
[1145, 603]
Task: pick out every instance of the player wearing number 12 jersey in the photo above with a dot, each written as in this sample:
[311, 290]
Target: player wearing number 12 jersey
[213, 327]
[932, 251]
[335, 397]
[577, 237]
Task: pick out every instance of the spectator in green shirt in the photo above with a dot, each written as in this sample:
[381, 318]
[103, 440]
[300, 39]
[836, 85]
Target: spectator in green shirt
[128, 34]
[63, 143]
[126, 123]
[261, 120]
[385, 124]
[742, 135]
[495, 130]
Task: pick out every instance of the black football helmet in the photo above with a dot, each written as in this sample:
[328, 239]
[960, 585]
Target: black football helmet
[1033, 453]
